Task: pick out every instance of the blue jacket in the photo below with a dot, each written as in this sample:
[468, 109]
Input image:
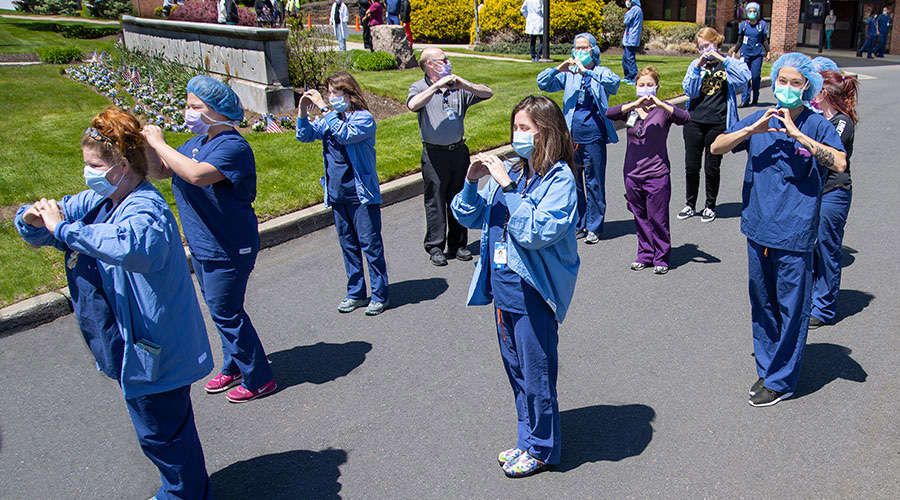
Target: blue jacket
[603, 84]
[634, 23]
[146, 279]
[541, 227]
[736, 73]
[357, 134]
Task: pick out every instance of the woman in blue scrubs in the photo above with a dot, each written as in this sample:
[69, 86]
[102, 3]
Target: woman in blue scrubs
[347, 132]
[214, 181]
[837, 101]
[587, 87]
[789, 148]
[529, 262]
[753, 46]
[133, 296]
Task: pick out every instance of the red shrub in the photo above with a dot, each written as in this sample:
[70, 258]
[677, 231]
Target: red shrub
[205, 11]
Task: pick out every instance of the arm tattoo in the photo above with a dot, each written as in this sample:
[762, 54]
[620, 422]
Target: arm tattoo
[824, 156]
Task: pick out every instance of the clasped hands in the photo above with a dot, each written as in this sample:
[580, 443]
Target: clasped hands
[487, 164]
[309, 99]
[44, 213]
[568, 63]
[646, 103]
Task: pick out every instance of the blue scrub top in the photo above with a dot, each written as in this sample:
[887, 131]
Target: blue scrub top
[783, 183]
[883, 22]
[341, 183]
[587, 121]
[872, 25]
[753, 38]
[218, 220]
[509, 289]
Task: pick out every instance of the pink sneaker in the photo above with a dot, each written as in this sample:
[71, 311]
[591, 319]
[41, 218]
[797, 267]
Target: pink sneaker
[241, 395]
[222, 382]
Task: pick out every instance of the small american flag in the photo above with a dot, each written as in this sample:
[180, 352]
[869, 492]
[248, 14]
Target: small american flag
[135, 77]
[272, 125]
[150, 80]
[94, 57]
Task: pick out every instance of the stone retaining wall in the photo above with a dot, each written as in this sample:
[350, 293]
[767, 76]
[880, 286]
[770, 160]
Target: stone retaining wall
[252, 60]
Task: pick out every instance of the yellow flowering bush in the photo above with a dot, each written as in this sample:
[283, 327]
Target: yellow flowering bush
[502, 18]
[446, 21]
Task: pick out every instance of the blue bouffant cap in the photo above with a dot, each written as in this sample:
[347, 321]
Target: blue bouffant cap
[823, 63]
[636, 2]
[217, 95]
[595, 50]
[804, 65]
[752, 5]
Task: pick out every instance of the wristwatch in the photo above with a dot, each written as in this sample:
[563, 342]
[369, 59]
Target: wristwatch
[509, 188]
[325, 109]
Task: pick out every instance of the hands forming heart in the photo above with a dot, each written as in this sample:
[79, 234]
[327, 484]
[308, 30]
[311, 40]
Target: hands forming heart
[781, 114]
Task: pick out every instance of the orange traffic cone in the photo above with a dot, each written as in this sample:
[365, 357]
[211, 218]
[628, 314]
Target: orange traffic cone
[309, 20]
[357, 22]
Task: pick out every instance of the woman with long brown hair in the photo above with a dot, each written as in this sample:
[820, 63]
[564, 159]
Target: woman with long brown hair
[132, 294]
[347, 132]
[527, 213]
[837, 101]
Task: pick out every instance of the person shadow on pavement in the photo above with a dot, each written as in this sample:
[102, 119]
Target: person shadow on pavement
[850, 302]
[311, 475]
[690, 252]
[822, 364]
[728, 210]
[407, 292]
[604, 433]
[318, 363]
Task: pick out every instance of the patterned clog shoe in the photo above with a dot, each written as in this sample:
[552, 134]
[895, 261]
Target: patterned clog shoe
[510, 455]
[525, 466]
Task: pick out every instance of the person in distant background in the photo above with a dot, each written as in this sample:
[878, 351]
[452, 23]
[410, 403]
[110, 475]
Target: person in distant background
[338, 21]
[830, 21]
[883, 23]
[405, 9]
[533, 10]
[631, 40]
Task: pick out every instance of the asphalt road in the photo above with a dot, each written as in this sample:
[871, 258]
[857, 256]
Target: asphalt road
[654, 372]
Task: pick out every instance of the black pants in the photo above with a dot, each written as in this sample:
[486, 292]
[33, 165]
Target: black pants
[698, 137]
[367, 35]
[444, 173]
[539, 40]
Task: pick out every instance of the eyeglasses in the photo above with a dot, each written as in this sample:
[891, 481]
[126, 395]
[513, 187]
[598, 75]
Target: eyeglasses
[442, 61]
[97, 136]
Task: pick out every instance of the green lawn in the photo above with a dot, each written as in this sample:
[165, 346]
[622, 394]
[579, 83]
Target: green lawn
[22, 36]
[46, 112]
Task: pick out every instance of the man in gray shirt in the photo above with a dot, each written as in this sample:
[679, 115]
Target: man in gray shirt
[441, 100]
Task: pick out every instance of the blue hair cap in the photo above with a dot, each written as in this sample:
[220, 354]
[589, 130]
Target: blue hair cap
[752, 5]
[823, 63]
[595, 50]
[217, 95]
[804, 65]
[636, 2]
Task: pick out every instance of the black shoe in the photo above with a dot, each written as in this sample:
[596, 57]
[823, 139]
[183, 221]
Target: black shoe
[462, 254]
[745, 104]
[437, 257]
[757, 386]
[581, 233]
[815, 322]
[768, 397]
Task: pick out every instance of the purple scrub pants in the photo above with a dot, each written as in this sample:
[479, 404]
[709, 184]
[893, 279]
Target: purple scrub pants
[648, 200]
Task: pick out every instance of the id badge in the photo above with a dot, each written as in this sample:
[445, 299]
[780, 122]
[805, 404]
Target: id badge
[72, 260]
[451, 115]
[632, 119]
[499, 255]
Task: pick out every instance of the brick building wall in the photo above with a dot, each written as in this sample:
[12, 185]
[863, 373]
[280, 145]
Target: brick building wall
[784, 28]
[145, 8]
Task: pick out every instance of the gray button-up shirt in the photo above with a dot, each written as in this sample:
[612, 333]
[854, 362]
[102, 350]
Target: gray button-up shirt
[435, 123]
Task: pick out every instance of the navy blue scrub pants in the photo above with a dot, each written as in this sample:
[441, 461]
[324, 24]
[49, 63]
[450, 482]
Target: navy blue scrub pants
[828, 255]
[629, 63]
[590, 185]
[223, 284]
[780, 297]
[359, 232]
[882, 44]
[868, 46]
[165, 429]
[528, 345]
[755, 65]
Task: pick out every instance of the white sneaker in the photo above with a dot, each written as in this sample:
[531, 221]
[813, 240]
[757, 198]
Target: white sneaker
[708, 215]
[686, 213]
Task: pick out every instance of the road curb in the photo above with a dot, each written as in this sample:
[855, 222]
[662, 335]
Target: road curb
[50, 306]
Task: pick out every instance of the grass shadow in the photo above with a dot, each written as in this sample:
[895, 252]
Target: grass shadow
[604, 433]
[289, 475]
[416, 291]
[823, 363]
[318, 363]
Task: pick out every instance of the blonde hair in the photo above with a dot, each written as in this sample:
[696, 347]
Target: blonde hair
[649, 70]
[120, 138]
[710, 34]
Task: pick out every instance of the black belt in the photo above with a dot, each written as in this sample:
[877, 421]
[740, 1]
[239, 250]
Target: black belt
[448, 147]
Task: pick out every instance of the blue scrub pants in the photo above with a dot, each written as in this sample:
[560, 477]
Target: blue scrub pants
[868, 46]
[629, 63]
[590, 184]
[755, 65]
[882, 44]
[223, 284]
[393, 19]
[780, 297]
[359, 232]
[828, 255]
[528, 345]
[165, 429]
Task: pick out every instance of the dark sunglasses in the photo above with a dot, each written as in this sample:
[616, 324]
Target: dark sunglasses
[97, 136]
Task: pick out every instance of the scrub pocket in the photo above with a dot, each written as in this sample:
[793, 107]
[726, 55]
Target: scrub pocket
[142, 361]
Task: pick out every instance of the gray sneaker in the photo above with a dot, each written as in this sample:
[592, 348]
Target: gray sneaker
[375, 308]
[591, 238]
[350, 305]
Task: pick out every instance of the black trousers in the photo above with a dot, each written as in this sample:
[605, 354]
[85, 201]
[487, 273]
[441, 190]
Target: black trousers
[698, 137]
[367, 35]
[444, 172]
[539, 41]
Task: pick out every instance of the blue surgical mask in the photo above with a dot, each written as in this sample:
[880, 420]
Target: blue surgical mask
[96, 180]
[446, 70]
[582, 56]
[523, 144]
[789, 97]
[752, 15]
[338, 103]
